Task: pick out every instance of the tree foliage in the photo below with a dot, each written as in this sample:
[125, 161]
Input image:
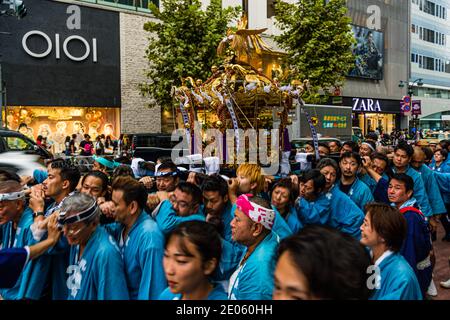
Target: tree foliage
[183, 43]
[317, 38]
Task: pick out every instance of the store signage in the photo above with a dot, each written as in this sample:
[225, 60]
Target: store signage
[57, 46]
[366, 104]
[330, 122]
[416, 107]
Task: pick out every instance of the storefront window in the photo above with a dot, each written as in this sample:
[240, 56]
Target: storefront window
[56, 123]
[376, 121]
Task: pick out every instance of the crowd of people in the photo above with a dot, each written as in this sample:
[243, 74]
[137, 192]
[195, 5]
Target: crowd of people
[359, 223]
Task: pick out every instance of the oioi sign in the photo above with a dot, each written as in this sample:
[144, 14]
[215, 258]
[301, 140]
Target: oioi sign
[48, 50]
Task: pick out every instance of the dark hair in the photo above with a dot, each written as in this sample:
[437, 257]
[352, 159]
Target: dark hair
[334, 264]
[8, 186]
[86, 136]
[215, 183]
[23, 124]
[122, 170]
[74, 136]
[100, 175]
[260, 201]
[443, 152]
[39, 138]
[325, 162]
[67, 139]
[325, 145]
[339, 144]
[380, 156]
[444, 144]
[428, 153]
[353, 155]
[317, 178]
[132, 190]
[192, 190]
[167, 165]
[201, 234]
[389, 223]
[67, 171]
[6, 175]
[402, 145]
[372, 136]
[287, 184]
[351, 144]
[405, 179]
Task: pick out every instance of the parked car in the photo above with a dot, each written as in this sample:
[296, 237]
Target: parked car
[13, 141]
[151, 146]
[299, 144]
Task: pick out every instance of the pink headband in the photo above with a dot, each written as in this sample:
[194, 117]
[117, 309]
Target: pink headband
[255, 212]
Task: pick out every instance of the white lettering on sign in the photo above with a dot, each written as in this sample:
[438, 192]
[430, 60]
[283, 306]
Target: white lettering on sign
[374, 20]
[365, 104]
[87, 46]
[74, 20]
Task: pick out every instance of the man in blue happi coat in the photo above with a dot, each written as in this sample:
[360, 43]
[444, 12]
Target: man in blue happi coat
[358, 191]
[139, 238]
[96, 269]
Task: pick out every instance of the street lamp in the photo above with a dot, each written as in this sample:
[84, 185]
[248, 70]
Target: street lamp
[419, 83]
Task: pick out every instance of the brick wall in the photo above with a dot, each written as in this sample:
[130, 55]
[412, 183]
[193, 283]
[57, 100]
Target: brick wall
[136, 117]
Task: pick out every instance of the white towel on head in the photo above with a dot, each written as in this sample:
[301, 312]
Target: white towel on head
[212, 165]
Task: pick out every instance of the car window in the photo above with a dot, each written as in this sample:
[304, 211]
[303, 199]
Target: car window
[155, 141]
[18, 144]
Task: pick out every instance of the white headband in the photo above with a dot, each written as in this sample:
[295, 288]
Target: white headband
[368, 144]
[12, 196]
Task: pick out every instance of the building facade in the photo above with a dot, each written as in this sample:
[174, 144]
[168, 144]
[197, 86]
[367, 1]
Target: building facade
[430, 61]
[373, 94]
[75, 67]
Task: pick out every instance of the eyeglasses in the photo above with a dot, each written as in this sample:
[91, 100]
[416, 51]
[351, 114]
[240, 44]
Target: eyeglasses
[180, 204]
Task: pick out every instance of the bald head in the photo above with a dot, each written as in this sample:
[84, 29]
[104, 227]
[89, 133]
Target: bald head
[418, 158]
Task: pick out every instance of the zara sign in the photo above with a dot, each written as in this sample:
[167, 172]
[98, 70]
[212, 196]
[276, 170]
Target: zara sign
[48, 50]
[366, 104]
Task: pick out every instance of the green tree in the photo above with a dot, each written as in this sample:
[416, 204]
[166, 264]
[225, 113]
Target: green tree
[183, 43]
[317, 38]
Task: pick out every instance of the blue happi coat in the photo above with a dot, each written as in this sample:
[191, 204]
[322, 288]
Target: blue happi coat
[432, 189]
[368, 180]
[99, 273]
[217, 293]
[142, 254]
[360, 193]
[443, 181]
[20, 238]
[167, 219]
[253, 280]
[417, 245]
[334, 209]
[286, 226]
[397, 280]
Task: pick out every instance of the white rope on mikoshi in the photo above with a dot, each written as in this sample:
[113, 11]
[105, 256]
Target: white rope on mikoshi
[230, 108]
[186, 119]
[311, 125]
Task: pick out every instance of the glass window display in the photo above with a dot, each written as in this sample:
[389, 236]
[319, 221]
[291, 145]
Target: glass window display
[56, 123]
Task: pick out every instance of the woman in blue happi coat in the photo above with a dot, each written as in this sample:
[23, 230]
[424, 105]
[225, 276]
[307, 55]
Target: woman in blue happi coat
[96, 269]
[283, 195]
[192, 253]
[383, 232]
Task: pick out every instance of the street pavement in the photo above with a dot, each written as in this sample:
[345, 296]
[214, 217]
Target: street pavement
[442, 268]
